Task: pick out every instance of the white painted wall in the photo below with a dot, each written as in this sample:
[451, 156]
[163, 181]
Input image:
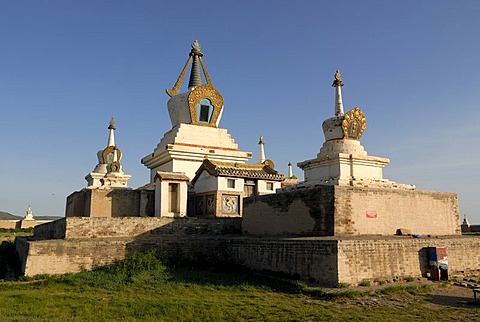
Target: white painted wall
[162, 199]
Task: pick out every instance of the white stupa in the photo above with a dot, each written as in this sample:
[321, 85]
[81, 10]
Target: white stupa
[195, 135]
[342, 160]
[108, 172]
[29, 214]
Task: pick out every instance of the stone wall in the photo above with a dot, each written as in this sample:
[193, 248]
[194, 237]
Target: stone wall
[51, 230]
[105, 227]
[302, 211]
[308, 259]
[62, 256]
[470, 228]
[21, 224]
[110, 203]
[342, 211]
[327, 261]
[136, 226]
[376, 211]
[367, 259]
[10, 224]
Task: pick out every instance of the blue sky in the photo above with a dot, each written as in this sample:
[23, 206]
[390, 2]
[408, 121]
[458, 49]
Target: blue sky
[66, 67]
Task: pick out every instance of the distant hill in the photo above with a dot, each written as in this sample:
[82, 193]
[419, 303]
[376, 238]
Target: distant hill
[7, 216]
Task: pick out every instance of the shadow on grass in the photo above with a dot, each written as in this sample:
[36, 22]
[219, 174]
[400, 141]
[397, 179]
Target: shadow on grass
[453, 301]
[148, 271]
[231, 275]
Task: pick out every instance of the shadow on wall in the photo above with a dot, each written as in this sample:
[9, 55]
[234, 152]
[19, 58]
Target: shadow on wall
[190, 240]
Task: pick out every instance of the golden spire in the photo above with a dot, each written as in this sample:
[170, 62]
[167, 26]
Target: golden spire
[195, 75]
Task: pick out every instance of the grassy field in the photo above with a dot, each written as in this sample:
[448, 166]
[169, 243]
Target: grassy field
[143, 289]
[10, 234]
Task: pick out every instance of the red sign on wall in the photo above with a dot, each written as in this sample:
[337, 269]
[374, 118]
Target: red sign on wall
[371, 214]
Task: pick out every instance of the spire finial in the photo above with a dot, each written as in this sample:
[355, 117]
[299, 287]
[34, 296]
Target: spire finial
[290, 171]
[338, 79]
[195, 74]
[337, 83]
[261, 142]
[111, 135]
[111, 126]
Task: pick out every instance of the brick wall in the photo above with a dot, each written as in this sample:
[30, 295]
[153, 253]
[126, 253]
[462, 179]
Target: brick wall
[324, 260]
[341, 211]
[303, 211]
[385, 258]
[10, 224]
[51, 230]
[104, 227]
[62, 256]
[377, 211]
[110, 203]
[307, 259]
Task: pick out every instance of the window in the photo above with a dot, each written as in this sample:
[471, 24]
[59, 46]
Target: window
[204, 111]
[231, 183]
[270, 186]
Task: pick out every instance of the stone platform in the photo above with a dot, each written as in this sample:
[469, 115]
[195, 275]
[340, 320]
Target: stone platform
[324, 260]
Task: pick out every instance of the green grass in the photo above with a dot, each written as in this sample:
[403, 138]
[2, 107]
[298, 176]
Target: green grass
[141, 288]
[10, 234]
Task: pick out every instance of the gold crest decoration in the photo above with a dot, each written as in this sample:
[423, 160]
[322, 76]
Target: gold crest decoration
[108, 152]
[354, 124]
[207, 92]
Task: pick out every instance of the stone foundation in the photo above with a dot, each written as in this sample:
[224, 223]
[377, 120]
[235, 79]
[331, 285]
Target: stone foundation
[325, 260]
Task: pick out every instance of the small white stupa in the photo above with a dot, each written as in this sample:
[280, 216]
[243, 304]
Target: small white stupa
[29, 214]
[108, 172]
[342, 160]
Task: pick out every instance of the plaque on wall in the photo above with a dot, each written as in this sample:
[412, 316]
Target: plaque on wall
[230, 204]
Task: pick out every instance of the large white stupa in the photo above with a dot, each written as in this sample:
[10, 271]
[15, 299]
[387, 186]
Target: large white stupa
[195, 135]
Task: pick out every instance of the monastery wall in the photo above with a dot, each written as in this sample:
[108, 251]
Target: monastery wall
[105, 227]
[302, 211]
[384, 258]
[51, 230]
[342, 210]
[110, 203]
[309, 258]
[380, 211]
[21, 224]
[61, 256]
[10, 224]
